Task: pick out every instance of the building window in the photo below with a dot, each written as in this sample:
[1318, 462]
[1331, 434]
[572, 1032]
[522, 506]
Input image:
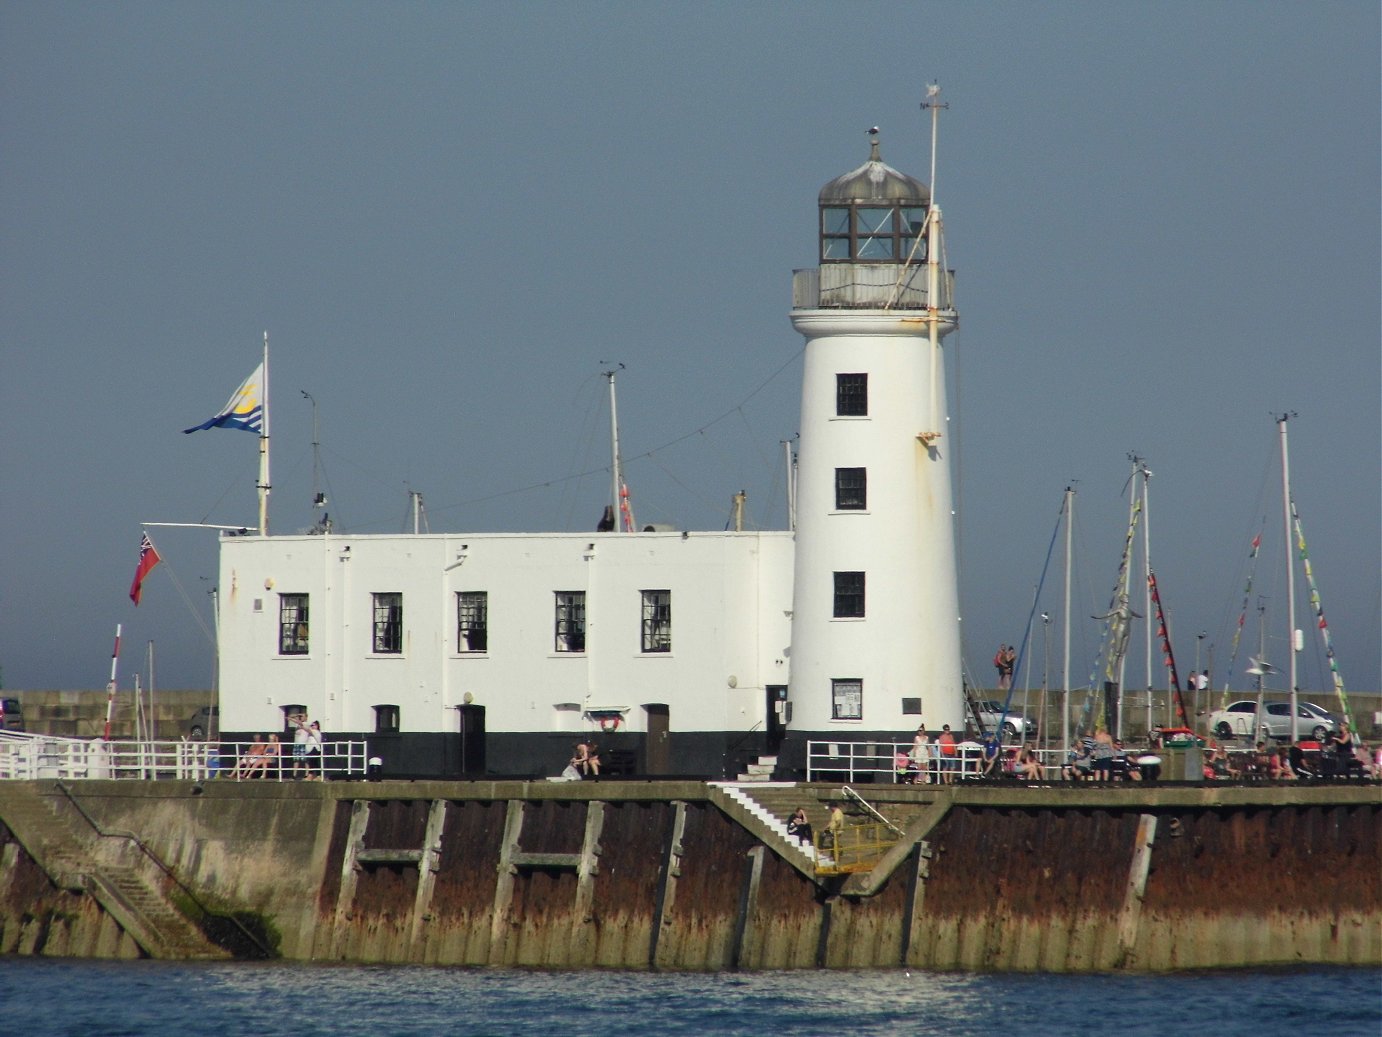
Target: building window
[472, 621]
[657, 621]
[388, 624]
[570, 632]
[852, 395]
[849, 595]
[385, 720]
[292, 624]
[847, 699]
[851, 489]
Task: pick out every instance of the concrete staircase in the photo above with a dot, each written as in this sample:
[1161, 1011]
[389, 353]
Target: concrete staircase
[764, 807]
[759, 771]
[65, 846]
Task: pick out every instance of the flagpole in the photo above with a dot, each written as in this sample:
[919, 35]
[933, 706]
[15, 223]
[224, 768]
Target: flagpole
[110, 688]
[264, 450]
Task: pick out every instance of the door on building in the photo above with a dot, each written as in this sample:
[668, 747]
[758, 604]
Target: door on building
[657, 750]
[776, 727]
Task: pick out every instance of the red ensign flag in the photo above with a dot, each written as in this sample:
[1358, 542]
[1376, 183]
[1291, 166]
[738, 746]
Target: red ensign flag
[148, 558]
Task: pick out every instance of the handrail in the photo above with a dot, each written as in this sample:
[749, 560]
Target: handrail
[849, 793]
[867, 759]
[113, 834]
[53, 757]
[735, 747]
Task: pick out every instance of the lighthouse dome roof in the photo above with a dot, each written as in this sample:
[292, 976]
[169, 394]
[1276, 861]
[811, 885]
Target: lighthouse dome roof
[875, 181]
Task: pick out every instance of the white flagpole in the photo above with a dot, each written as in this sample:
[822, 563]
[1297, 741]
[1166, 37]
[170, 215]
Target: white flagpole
[264, 449]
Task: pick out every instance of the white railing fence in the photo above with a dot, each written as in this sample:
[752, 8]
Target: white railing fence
[882, 761]
[44, 756]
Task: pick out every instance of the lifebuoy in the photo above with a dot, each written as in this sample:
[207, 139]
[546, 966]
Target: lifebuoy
[609, 723]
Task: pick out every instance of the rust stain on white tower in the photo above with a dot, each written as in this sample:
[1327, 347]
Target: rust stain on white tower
[875, 610]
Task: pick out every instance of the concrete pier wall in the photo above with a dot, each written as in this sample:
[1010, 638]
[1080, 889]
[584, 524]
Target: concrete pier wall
[656, 875]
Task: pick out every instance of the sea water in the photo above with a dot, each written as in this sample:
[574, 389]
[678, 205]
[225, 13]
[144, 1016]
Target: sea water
[61, 998]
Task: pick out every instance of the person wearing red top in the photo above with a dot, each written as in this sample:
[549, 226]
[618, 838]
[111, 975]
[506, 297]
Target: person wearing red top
[949, 761]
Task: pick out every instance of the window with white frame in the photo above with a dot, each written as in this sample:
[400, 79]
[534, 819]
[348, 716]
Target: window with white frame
[570, 621]
[657, 621]
[472, 621]
[388, 623]
[292, 624]
[847, 699]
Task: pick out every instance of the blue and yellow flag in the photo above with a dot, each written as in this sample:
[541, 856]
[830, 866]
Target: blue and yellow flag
[244, 410]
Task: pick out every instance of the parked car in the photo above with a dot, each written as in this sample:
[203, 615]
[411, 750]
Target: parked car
[11, 715]
[1238, 720]
[203, 724]
[1015, 726]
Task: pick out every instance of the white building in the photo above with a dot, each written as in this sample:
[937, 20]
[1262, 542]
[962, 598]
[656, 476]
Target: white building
[472, 653]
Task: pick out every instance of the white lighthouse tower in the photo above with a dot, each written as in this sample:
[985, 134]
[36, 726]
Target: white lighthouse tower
[875, 611]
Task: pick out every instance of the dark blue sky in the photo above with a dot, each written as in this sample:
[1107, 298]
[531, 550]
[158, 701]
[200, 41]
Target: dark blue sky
[1164, 220]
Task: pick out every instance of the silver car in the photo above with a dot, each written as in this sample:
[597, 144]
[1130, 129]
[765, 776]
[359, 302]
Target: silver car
[1015, 727]
[1236, 720]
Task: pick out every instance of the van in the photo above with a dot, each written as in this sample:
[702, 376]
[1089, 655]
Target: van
[11, 715]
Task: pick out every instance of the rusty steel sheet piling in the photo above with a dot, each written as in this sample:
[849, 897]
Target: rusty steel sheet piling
[668, 875]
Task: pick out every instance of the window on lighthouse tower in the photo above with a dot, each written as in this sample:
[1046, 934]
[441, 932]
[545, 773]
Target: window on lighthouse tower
[851, 489]
[849, 595]
[852, 395]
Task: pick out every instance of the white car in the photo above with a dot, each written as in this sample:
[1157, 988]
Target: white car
[1236, 720]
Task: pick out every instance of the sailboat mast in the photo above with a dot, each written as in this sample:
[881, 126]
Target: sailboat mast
[1146, 578]
[1290, 576]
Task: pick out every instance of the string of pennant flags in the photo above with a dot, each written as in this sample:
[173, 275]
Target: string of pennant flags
[1320, 621]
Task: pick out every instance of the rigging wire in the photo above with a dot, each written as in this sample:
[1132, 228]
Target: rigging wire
[182, 592]
[634, 457]
[1031, 615]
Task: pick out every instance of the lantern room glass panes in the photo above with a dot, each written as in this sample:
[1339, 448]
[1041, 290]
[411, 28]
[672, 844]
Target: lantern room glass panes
[873, 233]
[913, 227]
[835, 220]
[835, 232]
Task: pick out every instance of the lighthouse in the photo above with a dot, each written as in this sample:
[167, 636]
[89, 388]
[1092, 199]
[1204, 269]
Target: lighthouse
[875, 647]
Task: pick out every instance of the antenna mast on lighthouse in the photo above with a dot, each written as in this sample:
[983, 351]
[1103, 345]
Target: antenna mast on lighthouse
[933, 268]
[619, 492]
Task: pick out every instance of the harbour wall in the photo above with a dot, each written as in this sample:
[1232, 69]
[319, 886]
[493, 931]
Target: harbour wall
[680, 876]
